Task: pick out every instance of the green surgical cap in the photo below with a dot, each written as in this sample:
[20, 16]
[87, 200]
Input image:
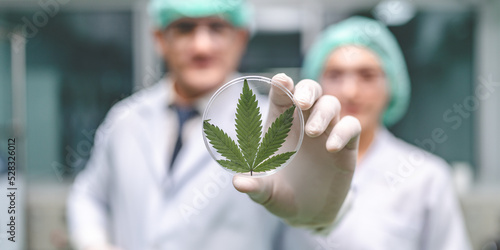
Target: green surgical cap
[376, 37]
[164, 12]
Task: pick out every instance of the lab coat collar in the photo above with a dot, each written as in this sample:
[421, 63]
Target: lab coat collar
[193, 154]
[199, 104]
[366, 166]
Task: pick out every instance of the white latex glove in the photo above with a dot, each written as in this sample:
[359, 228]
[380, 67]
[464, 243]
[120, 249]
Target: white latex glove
[310, 191]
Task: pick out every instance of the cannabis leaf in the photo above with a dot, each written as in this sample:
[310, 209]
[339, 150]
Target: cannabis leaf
[252, 152]
[223, 143]
[248, 124]
[275, 135]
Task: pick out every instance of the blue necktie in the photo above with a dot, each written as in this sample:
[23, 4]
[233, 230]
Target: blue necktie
[184, 114]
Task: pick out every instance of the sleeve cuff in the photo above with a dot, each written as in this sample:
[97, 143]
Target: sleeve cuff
[344, 209]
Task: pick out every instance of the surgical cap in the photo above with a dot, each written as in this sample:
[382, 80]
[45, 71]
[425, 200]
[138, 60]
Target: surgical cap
[164, 12]
[375, 36]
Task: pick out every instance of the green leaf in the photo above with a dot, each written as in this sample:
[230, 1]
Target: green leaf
[275, 136]
[222, 142]
[248, 124]
[251, 153]
[274, 162]
[233, 166]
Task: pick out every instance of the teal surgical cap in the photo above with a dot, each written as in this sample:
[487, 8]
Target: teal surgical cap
[164, 12]
[375, 36]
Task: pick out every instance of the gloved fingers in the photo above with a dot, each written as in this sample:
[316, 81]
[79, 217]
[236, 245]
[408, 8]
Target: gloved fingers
[326, 111]
[307, 93]
[259, 189]
[345, 134]
[277, 96]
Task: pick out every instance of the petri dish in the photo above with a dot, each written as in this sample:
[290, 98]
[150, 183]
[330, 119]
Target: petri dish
[253, 143]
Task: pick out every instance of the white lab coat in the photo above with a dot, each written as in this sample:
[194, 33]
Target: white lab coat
[126, 195]
[403, 199]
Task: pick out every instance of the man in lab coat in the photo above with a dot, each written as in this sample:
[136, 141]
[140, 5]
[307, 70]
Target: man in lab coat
[146, 187]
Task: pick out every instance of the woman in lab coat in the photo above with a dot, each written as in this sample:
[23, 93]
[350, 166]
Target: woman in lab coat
[404, 197]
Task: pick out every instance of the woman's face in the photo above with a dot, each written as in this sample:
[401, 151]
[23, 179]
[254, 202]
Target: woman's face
[355, 76]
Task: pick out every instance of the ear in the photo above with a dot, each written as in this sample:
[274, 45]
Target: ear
[160, 42]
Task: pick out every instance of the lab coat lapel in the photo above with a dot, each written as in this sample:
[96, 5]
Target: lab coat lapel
[154, 138]
[191, 159]
[369, 165]
[194, 155]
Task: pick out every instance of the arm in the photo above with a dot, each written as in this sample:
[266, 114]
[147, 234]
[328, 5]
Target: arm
[87, 206]
[444, 227]
[311, 190]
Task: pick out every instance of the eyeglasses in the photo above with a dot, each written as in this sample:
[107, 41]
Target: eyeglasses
[362, 76]
[183, 30]
[186, 27]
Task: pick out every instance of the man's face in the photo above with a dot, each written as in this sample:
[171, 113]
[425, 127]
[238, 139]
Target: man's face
[201, 53]
[355, 76]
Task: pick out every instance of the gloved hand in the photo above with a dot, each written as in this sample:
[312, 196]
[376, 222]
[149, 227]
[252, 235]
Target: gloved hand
[310, 191]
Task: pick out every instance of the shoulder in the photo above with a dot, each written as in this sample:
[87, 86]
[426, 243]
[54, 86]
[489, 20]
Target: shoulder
[141, 107]
[414, 165]
[141, 102]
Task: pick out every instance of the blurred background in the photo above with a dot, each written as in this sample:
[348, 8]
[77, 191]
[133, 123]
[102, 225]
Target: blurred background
[64, 63]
